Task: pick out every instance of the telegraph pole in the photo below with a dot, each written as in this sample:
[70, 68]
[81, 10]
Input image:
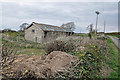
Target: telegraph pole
[96, 21]
[104, 27]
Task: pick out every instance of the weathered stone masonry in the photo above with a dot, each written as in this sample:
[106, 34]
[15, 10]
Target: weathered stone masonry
[42, 32]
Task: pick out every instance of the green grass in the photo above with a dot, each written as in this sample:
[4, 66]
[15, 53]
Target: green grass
[113, 61]
[1, 39]
[115, 35]
[15, 34]
[81, 34]
[33, 51]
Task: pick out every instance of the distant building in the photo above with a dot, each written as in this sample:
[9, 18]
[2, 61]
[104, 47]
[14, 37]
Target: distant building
[43, 32]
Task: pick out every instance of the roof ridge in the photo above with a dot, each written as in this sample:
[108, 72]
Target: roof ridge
[52, 26]
[45, 24]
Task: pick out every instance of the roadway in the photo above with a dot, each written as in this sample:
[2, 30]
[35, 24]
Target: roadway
[116, 41]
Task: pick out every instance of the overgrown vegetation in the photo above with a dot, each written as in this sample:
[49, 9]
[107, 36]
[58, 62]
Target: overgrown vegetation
[17, 38]
[87, 67]
[8, 55]
[91, 61]
[81, 34]
[115, 34]
[93, 55]
[59, 46]
[13, 44]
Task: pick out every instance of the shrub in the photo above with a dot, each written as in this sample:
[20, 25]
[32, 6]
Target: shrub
[59, 46]
[8, 56]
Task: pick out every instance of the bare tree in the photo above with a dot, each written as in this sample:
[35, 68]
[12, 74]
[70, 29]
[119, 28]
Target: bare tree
[90, 28]
[23, 26]
[69, 25]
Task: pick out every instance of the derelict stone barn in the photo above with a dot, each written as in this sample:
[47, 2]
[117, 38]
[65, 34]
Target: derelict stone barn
[43, 32]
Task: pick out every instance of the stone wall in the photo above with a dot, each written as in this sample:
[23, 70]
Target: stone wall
[51, 36]
[36, 36]
[40, 36]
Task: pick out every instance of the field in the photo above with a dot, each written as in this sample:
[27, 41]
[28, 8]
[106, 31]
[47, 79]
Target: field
[115, 34]
[76, 56]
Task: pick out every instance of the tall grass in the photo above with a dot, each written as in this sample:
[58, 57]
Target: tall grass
[115, 35]
[113, 61]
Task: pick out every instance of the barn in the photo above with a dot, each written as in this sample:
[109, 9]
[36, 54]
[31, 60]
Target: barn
[42, 33]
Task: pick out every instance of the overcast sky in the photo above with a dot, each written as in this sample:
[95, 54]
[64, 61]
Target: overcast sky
[13, 14]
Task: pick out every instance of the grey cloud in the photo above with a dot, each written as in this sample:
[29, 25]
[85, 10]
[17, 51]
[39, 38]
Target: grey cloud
[56, 13]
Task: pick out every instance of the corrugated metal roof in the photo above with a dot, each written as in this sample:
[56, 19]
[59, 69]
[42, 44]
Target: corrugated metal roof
[46, 27]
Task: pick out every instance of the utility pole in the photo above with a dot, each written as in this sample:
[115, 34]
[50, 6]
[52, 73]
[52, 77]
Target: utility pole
[104, 27]
[96, 21]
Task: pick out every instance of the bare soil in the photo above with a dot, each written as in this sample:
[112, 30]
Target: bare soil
[44, 66]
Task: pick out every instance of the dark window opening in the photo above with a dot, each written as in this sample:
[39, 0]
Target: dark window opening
[69, 33]
[33, 30]
[66, 33]
[45, 34]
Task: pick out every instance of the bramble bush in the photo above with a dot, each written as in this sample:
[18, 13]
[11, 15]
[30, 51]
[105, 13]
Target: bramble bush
[59, 46]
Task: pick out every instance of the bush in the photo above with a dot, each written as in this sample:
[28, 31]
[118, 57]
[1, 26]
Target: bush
[8, 55]
[59, 46]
